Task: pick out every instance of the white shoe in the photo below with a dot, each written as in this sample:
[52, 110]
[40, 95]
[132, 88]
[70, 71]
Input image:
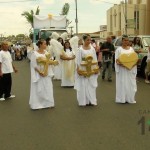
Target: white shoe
[2, 99]
[133, 102]
[147, 81]
[12, 96]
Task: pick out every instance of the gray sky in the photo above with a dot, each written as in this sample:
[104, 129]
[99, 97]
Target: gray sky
[91, 13]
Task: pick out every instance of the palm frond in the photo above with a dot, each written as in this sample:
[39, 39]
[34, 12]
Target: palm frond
[32, 12]
[29, 15]
[37, 11]
[65, 9]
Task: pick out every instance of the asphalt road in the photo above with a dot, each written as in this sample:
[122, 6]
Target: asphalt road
[108, 126]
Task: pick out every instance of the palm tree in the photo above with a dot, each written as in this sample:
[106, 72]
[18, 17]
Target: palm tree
[29, 15]
[65, 11]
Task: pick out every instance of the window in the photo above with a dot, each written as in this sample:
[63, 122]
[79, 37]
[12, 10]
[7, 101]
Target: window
[136, 18]
[146, 41]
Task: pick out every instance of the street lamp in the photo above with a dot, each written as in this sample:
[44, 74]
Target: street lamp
[76, 20]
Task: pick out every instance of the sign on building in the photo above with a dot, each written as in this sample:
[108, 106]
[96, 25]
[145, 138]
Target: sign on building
[103, 27]
[131, 23]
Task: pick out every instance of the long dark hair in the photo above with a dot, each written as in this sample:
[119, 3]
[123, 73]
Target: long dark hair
[69, 46]
[40, 42]
[85, 36]
[47, 41]
[62, 43]
[135, 41]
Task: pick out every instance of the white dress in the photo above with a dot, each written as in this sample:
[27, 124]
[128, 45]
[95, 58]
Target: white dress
[125, 80]
[85, 86]
[57, 50]
[68, 67]
[41, 92]
[58, 68]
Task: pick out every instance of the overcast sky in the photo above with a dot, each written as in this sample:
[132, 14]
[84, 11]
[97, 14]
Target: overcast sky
[91, 13]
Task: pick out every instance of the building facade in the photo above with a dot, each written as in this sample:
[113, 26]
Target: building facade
[131, 18]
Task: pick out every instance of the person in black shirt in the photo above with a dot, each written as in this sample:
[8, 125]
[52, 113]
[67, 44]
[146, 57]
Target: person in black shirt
[107, 49]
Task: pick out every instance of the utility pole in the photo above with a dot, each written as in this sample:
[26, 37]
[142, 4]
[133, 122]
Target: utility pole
[71, 31]
[1, 37]
[136, 19]
[76, 20]
[126, 17]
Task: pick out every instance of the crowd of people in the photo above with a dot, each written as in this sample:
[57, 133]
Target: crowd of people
[18, 52]
[79, 69]
[137, 46]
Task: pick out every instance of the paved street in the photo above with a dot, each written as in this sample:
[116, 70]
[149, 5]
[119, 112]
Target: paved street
[108, 126]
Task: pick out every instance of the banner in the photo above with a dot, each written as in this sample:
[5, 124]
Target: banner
[44, 22]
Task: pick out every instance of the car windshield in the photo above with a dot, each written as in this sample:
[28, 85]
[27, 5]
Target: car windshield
[44, 34]
[119, 41]
[146, 41]
[47, 33]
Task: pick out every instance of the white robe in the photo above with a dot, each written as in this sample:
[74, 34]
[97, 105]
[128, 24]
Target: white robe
[125, 80]
[68, 67]
[41, 92]
[58, 68]
[85, 86]
[29, 52]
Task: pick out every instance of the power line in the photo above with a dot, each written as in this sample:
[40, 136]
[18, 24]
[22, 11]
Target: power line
[76, 20]
[17, 1]
[105, 2]
[124, 3]
[129, 7]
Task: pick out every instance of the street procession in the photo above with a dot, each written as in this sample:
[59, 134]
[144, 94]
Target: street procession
[64, 86]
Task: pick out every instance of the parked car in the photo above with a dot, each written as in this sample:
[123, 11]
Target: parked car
[145, 43]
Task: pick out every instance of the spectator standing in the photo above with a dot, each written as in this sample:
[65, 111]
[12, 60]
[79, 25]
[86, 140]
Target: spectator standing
[147, 70]
[107, 49]
[99, 58]
[12, 52]
[137, 46]
[6, 68]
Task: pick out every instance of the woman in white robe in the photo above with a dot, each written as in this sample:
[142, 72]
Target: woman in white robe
[85, 86]
[125, 79]
[41, 92]
[58, 68]
[68, 66]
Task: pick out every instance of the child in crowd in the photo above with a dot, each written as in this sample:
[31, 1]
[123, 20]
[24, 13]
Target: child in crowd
[147, 70]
